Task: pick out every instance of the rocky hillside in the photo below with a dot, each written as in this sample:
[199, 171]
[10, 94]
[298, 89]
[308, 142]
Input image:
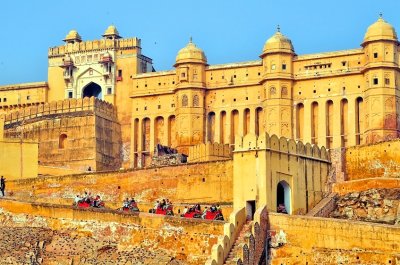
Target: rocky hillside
[374, 205]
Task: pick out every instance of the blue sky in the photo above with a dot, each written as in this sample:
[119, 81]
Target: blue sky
[228, 31]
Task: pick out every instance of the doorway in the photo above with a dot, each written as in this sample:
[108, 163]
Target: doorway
[92, 90]
[283, 197]
[250, 209]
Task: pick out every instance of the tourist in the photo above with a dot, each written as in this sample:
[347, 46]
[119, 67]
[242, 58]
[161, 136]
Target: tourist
[77, 199]
[203, 216]
[2, 185]
[156, 205]
[125, 203]
[185, 210]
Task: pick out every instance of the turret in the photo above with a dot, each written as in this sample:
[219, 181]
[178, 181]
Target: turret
[111, 33]
[380, 48]
[190, 91]
[277, 79]
[72, 37]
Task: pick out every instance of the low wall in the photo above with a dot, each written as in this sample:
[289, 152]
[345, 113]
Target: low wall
[314, 240]
[248, 252]
[187, 240]
[372, 161]
[324, 207]
[209, 152]
[190, 183]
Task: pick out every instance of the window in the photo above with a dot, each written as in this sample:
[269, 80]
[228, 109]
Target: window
[172, 105]
[344, 63]
[70, 94]
[196, 101]
[273, 67]
[119, 73]
[159, 106]
[375, 81]
[4, 99]
[183, 75]
[375, 55]
[387, 81]
[28, 97]
[283, 66]
[184, 101]
[109, 90]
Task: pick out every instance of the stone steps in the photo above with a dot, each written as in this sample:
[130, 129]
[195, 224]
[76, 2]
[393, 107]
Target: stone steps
[231, 259]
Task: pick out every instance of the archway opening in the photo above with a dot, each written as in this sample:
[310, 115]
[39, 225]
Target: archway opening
[283, 197]
[92, 90]
[62, 140]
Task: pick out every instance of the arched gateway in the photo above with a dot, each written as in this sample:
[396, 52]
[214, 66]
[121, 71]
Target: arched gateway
[283, 196]
[92, 90]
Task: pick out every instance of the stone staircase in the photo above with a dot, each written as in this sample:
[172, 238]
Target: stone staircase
[240, 240]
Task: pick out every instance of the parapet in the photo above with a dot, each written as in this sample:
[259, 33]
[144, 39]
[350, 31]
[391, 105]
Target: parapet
[252, 142]
[95, 105]
[209, 152]
[93, 45]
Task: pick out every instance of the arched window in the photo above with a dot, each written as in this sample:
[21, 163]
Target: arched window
[195, 101]
[62, 141]
[284, 91]
[272, 91]
[184, 101]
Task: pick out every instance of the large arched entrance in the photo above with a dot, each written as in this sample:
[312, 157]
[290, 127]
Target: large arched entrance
[283, 197]
[92, 90]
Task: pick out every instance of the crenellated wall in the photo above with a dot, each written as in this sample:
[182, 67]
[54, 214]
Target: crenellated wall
[94, 45]
[73, 133]
[269, 171]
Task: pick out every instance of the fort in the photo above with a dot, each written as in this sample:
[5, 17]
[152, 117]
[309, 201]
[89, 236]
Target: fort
[298, 151]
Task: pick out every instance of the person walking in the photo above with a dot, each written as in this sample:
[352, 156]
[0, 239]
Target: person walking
[2, 185]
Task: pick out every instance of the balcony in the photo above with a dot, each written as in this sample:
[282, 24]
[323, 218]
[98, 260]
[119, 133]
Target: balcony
[118, 78]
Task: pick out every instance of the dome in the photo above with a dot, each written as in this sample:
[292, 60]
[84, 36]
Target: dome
[191, 54]
[380, 30]
[73, 35]
[111, 31]
[278, 43]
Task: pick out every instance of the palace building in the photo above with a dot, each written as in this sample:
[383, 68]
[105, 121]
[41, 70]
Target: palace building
[332, 99]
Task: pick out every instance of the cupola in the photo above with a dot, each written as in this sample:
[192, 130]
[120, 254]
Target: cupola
[191, 54]
[111, 33]
[277, 43]
[380, 30]
[72, 37]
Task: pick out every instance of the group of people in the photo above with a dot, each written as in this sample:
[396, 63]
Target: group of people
[164, 204]
[197, 208]
[130, 204]
[93, 201]
[2, 185]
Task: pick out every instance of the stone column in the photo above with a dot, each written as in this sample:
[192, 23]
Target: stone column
[152, 134]
[351, 120]
[307, 123]
[253, 121]
[337, 124]
[322, 123]
[217, 127]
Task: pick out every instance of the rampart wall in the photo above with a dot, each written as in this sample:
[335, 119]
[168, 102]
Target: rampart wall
[209, 152]
[74, 133]
[190, 183]
[312, 240]
[188, 241]
[373, 161]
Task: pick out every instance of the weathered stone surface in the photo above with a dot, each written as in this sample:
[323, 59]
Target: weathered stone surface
[373, 205]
